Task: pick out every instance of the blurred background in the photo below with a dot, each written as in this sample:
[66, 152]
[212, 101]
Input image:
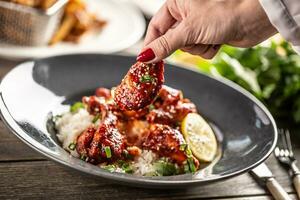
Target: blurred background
[32, 29]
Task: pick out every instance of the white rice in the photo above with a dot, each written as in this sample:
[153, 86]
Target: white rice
[70, 126]
[143, 165]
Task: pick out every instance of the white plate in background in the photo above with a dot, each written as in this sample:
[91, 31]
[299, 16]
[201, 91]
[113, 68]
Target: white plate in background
[125, 26]
[149, 7]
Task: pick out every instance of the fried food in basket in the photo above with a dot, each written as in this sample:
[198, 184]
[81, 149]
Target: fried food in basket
[43, 4]
[77, 21]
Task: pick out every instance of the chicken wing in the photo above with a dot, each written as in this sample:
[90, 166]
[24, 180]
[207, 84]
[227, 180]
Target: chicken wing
[166, 142]
[140, 86]
[170, 107]
[104, 144]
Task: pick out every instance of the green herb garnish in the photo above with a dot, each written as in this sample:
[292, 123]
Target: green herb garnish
[151, 107]
[191, 164]
[127, 155]
[186, 168]
[182, 147]
[83, 157]
[110, 168]
[96, 118]
[72, 146]
[165, 168]
[76, 106]
[107, 152]
[188, 151]
[127, 168]
[146, 78]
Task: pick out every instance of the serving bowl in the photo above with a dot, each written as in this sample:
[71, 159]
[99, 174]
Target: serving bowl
[32, 91]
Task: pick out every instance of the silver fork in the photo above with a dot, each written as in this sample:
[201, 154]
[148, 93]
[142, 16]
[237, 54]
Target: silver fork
[284, 153]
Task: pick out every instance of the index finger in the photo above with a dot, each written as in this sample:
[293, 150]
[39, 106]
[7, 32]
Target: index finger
[159, 24]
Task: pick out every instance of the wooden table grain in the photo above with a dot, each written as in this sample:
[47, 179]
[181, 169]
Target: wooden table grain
[26, 174]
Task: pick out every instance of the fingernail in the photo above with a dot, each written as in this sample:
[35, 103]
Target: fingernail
[146, 56]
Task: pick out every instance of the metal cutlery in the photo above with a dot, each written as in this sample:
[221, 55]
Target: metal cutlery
[284, 154]
[265, 177]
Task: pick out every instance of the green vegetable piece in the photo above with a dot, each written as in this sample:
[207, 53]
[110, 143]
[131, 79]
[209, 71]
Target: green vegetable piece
[151, 107]
[76, 106]
[188, 151]
[152, 174]
[182, 147]
[191, 165]
[83, 157]
[186, 168]
[96, 118]
[146, 78]
[110, 168]
[107, 152]
[127, 168]
[72, 146]
[165, 168]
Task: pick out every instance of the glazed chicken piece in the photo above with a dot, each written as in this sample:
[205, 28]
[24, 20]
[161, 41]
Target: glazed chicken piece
[103, 92]
[107, 137]
[94, 105]
[97, 105]
[140, 86]
[166, 142]
[170, 107]
[105, 143]
[84, 140]
[136, 131]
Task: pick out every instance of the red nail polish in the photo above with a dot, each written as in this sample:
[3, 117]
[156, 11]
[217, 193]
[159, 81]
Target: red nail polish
[146, 56]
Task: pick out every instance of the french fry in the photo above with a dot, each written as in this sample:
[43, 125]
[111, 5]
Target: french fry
[45, 4]
[65, 28]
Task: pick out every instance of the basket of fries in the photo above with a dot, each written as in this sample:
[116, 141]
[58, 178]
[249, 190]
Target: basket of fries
[29, 22]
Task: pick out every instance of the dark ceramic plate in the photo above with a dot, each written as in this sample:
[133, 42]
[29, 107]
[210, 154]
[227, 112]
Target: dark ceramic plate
[245, 129]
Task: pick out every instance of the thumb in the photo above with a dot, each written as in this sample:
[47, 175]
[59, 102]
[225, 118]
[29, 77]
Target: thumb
[164, 45]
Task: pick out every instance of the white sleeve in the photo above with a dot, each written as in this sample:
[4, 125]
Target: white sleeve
[285, 17]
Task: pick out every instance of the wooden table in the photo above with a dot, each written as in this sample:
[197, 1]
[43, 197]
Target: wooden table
[25, 173]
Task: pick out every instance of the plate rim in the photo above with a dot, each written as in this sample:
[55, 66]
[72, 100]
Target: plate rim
[127, 178]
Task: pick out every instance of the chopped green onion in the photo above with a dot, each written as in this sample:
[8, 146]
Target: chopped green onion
[165, 168]
[110, 168]
[127, 168]
[182, 147]
[127, 155]
[107, 152]
[83, 157]
[191, 165]
[96, 118]
[76, 106]
[186, 168]
[72, 146]
[146, 78]
[151, 107]
[188, 152]
[152, 173]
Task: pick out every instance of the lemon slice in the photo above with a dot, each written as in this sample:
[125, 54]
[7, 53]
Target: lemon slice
[199, 136]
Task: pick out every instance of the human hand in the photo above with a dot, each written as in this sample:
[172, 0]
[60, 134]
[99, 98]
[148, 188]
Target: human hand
[200, 27]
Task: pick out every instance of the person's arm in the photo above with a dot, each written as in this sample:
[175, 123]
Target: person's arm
[285, 17]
